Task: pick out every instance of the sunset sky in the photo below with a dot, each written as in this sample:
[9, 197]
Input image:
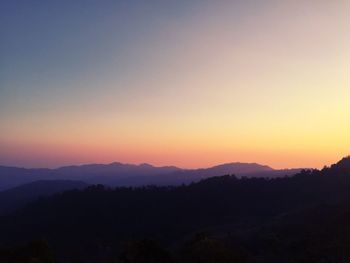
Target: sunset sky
[186, 83]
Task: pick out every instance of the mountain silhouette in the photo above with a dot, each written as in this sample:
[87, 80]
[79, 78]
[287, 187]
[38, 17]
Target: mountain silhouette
[119, 174]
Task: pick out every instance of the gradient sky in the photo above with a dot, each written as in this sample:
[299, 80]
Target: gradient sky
[188, 83]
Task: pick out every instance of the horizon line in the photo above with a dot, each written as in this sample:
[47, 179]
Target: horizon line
[150, 164]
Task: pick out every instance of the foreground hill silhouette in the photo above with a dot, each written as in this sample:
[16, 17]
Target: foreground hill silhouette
[15, 198]
[118, 174]
[304, 218]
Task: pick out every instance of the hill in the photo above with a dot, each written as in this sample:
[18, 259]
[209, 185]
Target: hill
[15, 198]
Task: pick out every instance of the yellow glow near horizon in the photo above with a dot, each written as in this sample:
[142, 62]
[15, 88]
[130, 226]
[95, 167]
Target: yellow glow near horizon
[269, 86]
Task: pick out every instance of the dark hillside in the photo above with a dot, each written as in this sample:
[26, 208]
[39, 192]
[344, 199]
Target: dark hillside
[247, 208]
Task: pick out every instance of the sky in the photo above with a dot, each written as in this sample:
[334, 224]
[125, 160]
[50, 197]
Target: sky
[191, 83]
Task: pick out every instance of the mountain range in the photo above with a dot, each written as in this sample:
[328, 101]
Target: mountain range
[119, 174]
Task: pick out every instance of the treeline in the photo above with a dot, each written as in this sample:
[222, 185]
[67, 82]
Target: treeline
[201, 249]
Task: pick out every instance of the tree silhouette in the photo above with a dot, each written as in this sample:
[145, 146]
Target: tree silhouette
[33, 252]
[145, 251]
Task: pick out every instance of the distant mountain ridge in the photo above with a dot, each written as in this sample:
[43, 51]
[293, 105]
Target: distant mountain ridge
[119, 174]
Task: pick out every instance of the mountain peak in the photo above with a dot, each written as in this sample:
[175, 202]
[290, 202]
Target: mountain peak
[242, 168]
[146, 165]
[115, 164]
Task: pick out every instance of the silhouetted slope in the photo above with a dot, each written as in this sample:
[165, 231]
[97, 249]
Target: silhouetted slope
[317, 234]
[15, 198]
[340, 168]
